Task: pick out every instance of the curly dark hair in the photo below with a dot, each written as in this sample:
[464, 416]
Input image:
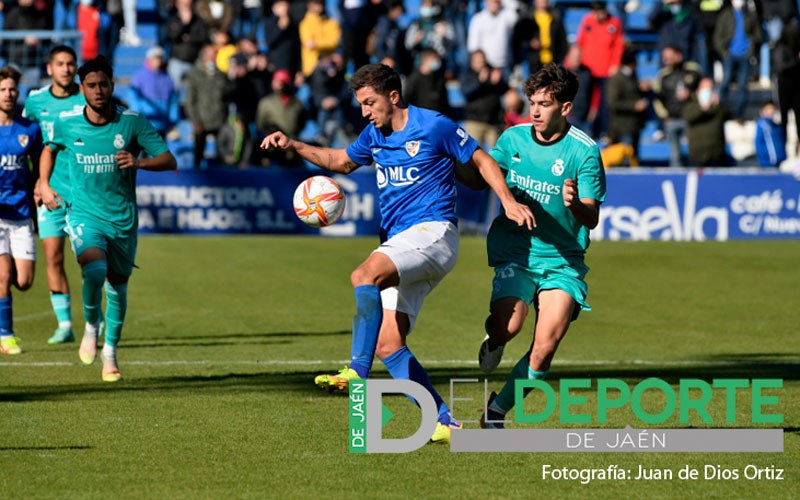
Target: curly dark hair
[10, 72]
[380, 77]
[554, 78]
[98, 64]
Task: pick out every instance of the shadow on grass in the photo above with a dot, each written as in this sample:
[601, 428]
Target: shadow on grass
[45, 448]
[227, 339]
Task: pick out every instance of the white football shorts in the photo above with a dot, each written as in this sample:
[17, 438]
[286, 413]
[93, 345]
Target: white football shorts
[423, 255]
[17, 239]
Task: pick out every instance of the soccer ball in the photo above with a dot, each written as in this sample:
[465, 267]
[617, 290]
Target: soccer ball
[319, 201]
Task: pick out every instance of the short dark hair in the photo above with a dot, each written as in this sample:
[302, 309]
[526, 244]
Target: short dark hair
[61, 49]
[555, 78]
[98, 64]
[380, 77]
[10, 72]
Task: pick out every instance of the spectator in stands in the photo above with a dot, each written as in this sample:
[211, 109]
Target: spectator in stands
[677, 26]
[224, 48]
[217, 14]
[490, 31]
[601, 41]
[390, 36]
[331, 98]
[129, 33]
[786, 66]
[186, 33]
[152, 93]
[24, 16]
[280, 110]
[539, 37]
[514, 109]
[672, 88]
[318, 34]
[618, 153]
[247, 18]
[249, 70]
[358, 18]
[581, 114]
[88, 23]
[208, 92]
[283, 38]
[483, 87]
[626, 102]
[112, 21]
[426, 86]
[775, 14]
[706, 115]
[234, 142]
[431, 31]
[770, 139]
[737, 38]
[707, 12]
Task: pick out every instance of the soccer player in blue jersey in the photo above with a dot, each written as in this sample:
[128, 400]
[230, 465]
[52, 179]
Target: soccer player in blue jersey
[556, 170]
[20, 146]
[43, 106]
[414, 151]
[102, 143]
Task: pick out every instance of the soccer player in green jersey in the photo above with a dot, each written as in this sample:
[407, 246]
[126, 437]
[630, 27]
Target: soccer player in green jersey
[102, 143]
[556, 170]
[43, 106]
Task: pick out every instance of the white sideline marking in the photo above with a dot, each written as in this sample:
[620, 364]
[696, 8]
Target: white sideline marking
[432, 362]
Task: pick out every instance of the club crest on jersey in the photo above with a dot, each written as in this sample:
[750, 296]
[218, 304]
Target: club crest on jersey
[412, 148]
[558, 167]
[23, 140]
[119, 142]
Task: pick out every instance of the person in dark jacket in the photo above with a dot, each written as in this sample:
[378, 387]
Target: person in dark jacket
[425, 86]
[483, 88]
[539, 37]
[706, 117]
[186, 33]
[283, 38]
[678, 26]
[786, 67]
[581, 114]
[737, 38]
[626, 102]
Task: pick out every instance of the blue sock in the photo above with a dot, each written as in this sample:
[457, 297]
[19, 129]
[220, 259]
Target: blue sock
[94, 275]
[366, 326]
[403, 365]
[6, 317]
[117, 305]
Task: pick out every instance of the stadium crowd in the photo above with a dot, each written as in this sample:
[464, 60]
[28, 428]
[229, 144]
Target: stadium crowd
[240, 69]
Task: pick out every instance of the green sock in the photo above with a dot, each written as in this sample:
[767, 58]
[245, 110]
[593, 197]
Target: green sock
[94, 275]
[522, 370]
[61, 306]
[116, 307]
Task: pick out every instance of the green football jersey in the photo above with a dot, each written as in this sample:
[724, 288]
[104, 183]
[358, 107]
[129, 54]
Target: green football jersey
[535, 173]
[43, 107]
[101, 190]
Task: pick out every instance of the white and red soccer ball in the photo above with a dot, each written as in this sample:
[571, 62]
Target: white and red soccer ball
[319, 201]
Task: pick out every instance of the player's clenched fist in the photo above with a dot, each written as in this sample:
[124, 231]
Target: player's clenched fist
[570, 192]
[276, 140]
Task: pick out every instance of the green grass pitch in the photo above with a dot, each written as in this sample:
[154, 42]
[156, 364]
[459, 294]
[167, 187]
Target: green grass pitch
[225, 335]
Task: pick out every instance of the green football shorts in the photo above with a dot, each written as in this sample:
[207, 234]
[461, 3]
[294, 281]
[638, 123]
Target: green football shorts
[119, 247]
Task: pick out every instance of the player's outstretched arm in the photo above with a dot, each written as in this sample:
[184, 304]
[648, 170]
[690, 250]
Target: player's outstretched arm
[585, 210]
[490, 171]
[48, 196]
[335, 160]
[164, 161]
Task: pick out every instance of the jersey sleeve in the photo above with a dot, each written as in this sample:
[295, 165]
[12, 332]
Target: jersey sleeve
[148, 139]
[56, 140]
[456, 142]
[592, 176]
[500, 152]
[360, 151]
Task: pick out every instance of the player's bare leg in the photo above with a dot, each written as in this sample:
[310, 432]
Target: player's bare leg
[505, 321]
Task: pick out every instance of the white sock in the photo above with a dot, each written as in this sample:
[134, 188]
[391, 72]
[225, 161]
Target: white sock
[91, 330]
[109, 352]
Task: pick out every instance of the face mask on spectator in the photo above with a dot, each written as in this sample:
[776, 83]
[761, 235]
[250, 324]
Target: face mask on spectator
[435, 65]
[428, 12]
[704, 97]
[738, 4]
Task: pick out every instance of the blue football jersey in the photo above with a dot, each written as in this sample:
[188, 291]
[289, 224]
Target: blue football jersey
[415, 168]
[19, 142]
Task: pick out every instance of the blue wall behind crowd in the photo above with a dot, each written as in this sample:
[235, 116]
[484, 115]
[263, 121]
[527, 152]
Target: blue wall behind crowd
[681, 205]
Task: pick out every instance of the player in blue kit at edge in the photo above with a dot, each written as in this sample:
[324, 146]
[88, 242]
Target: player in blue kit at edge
[20, 146]
[415, 151]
